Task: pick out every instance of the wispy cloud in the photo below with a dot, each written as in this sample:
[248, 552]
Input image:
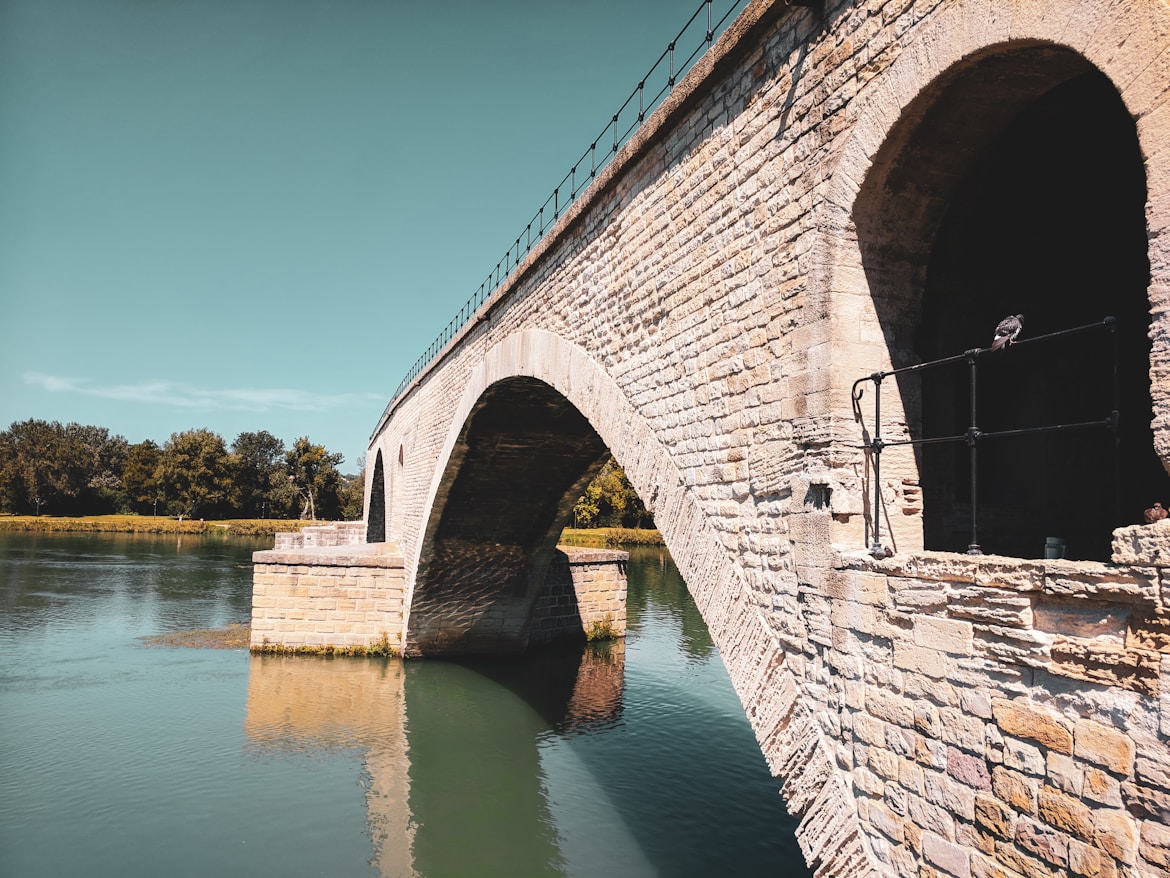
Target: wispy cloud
[187, 396]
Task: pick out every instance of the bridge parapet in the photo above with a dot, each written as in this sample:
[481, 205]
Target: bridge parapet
[1001, 712]
[340, 533]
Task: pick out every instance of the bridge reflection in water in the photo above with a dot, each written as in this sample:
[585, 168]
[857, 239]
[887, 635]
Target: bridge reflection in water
[632, 758]
[454, 783]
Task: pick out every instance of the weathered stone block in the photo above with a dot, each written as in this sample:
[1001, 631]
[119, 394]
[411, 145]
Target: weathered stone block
[1015, 790]
[991, 816]
[947, 856]
[1150, 631]
[1065, 773]
[1155, 844]
[1022, 756]
[1104, 746]
[1042, 841]
[1089, 862]
[1064, 812]
[1135, 669]
[956, 798]
[919, 659]
[1102, 788]
[1142, 544]
[1116, 833]
[1147, 802]
[945, 635]
[1032, 722]
[986, 867]
[969, 770]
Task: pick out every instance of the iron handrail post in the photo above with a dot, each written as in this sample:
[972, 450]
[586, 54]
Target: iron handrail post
[973, 444]
[877, 549]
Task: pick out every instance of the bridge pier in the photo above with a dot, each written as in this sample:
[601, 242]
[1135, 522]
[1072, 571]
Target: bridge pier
[326, 589]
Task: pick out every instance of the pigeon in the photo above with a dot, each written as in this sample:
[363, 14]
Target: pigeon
[1007, 331]
[1155, 513]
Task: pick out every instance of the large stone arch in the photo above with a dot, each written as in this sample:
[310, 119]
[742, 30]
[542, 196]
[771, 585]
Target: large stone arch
[782, 715]
[1027, 49]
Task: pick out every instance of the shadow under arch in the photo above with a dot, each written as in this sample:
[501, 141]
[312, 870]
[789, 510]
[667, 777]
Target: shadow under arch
[1014, 183]
[376, 519]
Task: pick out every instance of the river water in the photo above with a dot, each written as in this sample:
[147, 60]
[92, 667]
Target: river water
[122, 758]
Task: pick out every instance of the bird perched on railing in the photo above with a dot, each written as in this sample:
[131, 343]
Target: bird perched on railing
[1155, 513]
[1007, 331]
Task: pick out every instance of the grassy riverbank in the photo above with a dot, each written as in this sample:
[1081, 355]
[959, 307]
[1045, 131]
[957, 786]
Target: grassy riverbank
[610, 537]
[150, 524]
[598, 537]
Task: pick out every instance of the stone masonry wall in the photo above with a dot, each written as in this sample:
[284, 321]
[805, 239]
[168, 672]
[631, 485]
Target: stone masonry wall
[583, 588]
[1003, 717]
[705, 306]
[342, 596]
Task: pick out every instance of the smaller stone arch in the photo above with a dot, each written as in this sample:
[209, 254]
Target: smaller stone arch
[376, 507]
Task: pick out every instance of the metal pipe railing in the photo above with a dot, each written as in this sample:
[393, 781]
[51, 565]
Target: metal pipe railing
[973, 435]
[671, 65]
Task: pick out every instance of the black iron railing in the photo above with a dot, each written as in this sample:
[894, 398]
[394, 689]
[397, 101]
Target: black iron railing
[680, 55]
[973, 435]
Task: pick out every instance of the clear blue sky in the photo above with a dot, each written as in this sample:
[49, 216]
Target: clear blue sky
[255, 214]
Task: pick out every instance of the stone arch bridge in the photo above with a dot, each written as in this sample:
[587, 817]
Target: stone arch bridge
[830, 193]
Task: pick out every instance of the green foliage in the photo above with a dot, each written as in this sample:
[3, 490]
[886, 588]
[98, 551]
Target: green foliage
[150, 524]
[602, 629]
[611, 501]
[313, 472]
[45, 467]
[196, 473]
[260, 482]
[611, 537]
[80, 469]
[142, 477]
[353, 496]
[380, 648]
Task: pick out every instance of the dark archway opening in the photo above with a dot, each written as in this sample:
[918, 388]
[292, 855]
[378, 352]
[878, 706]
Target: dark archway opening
[1014, 183]
[376, 514]
[521, 461]
[1048, 222]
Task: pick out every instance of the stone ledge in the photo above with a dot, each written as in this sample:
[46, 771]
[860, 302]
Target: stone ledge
[579, 555]
[354, 555]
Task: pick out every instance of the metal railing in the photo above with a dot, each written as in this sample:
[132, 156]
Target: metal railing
[680, 55]
[973, 435]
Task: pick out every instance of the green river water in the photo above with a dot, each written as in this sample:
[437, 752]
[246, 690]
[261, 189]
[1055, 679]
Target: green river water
[118, 758]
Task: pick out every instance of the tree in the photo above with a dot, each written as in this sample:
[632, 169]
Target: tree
[142, 476]
[259, 474]
[196, 472]
[312, 471]
[610, 500]
[353, 496]
[100, 459]
[40, 465]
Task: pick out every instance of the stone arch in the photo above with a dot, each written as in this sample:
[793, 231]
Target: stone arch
[933, 116]
[376, 506]
[782, 715]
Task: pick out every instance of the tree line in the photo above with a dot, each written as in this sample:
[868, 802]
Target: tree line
[77, 469]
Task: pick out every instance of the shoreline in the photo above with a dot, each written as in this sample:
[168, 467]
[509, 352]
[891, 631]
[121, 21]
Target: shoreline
[599, 537]
[151, 524]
